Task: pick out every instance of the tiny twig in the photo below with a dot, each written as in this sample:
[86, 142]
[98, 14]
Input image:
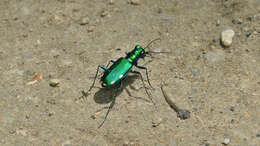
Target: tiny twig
[181, 113]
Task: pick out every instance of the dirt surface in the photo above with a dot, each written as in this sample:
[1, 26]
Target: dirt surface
[68, 39]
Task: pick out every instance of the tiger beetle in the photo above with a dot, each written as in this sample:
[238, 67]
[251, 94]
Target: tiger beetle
[118, 71]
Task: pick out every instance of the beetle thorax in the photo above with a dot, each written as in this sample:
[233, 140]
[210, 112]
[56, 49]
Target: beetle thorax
[134, 55]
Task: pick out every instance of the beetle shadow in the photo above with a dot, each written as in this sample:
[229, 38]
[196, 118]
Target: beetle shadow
[105, 95]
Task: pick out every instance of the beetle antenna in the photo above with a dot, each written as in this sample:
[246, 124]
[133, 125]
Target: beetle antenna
[152, 42]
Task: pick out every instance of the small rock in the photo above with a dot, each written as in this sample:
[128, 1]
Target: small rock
[226, 141]
[232, 108]
[51, 101]
[35, 133]
[84, 21]
[57, 19]
[38, 42]
[226, 37]
[85, 92]
[66, 143]
[218, 23]
[157, 123]
[159, 11]
[257, 29]
[237, 21]
[27, 117]
[12, 131]
[90, 28]
[55, 53]
[254, 32]
[195, 72]
[126, 143]
[93, 117]
[54, 82]
[245, 29]
[248, 35]
[22, 132]
[104, 13]
[135, 2]
[50, 114]
[183, 114]
[111, 2]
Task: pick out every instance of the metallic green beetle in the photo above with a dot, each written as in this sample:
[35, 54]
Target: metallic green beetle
[119, 70]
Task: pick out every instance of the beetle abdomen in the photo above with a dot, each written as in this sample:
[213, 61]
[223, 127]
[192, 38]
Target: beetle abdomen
[118, 71]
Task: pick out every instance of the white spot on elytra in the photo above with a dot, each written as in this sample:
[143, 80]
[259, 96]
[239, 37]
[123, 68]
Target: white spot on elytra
[112, 82]
[120, 76]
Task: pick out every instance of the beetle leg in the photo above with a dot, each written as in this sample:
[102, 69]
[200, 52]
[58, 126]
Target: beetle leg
[142, 67]
[110, 62]
[137, 72]
[86, 93]
[128, 92]
[111, 105]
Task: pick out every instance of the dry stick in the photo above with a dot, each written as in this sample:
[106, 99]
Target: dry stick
[181, 113]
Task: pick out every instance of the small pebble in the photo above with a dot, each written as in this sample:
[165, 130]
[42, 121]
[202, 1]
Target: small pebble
[232, 121]
[54, 82]
[237, 21]
[245, 29]
[159, 11]
[22, 131]
[93, 117]
[218, 23]
[226, 37]
[84, 21]
[66, 143]
[50, 114]
[12, 131]
[195, 72]
[226, 141]
[157, 123]
[51, 101]
[91, 28]
[135, 2]
[254, 32]
[126, 143]
[232, 108]
[111, 2]
[104, 13]
[27, 117]
[183, 114]
[85, 92]
[248, 35]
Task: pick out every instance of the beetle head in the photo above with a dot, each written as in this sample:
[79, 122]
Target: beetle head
[144, 53]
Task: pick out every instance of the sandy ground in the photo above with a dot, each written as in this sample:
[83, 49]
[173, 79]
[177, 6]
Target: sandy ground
[67, 39]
